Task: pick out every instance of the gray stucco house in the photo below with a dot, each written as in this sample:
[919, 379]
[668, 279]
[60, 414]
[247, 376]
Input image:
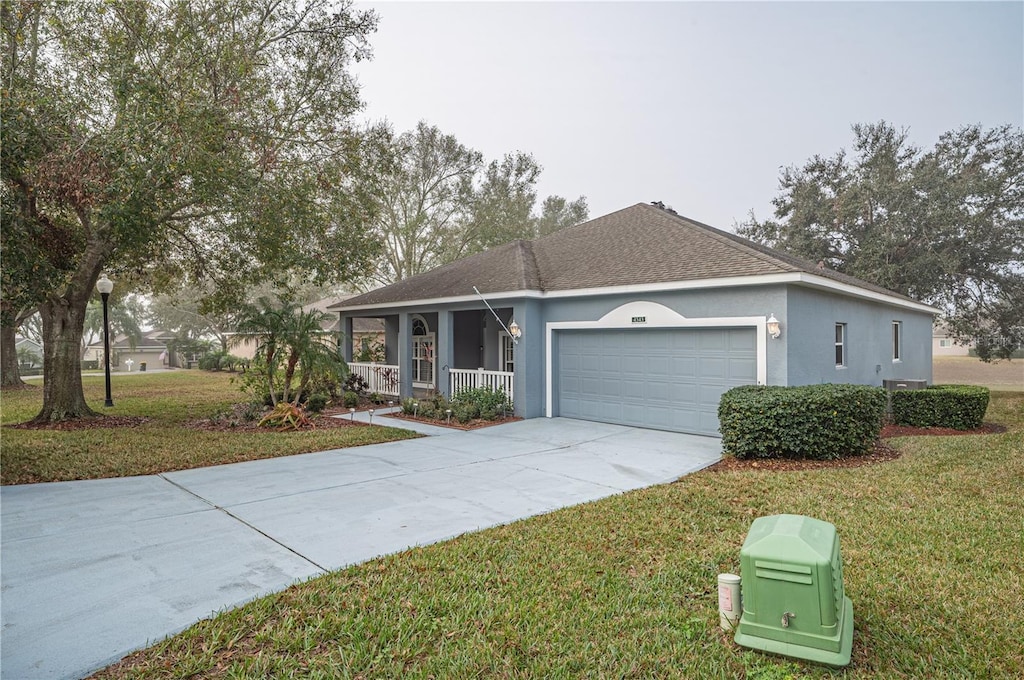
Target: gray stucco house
[641, 317]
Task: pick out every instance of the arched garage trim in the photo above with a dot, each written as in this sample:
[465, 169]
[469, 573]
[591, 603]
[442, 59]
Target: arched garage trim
[644, 314]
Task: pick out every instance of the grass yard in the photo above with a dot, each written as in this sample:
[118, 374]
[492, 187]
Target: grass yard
[625, 587]
[997, 375]
[162, 444]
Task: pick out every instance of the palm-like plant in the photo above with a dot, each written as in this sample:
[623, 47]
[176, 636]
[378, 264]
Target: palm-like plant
[293, 339]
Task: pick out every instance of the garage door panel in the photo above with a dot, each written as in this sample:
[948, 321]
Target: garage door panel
[743, 370]
[707, 420]
[632, 363]
[611, 385]
[633, 389]
[660, 391]
[714, 368]
[660, 378]
[658, 364]
[655, 340]
[660, 418]
[707, 394]
[740, 342]
[684, 342]
[612, 341]
[684, 367]
[685, 393]
[714, 340]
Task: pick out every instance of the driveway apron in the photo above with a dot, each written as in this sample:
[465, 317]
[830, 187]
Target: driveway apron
[92, 570]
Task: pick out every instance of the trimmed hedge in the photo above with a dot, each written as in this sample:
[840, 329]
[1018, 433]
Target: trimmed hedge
[812, 421]
[960, 407]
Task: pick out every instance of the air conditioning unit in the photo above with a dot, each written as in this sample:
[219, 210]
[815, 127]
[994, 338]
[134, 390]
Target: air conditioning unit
[794, 604]
[904, 384]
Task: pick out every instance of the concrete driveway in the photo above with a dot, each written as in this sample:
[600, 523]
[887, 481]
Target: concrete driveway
[92, 570]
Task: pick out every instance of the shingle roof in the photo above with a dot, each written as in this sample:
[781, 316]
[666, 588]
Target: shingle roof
[642, 244]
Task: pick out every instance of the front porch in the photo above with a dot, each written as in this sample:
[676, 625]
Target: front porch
[445, 352]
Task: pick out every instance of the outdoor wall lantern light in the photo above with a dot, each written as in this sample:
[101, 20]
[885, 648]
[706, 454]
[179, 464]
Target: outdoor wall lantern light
[774, 328]
[105, 286]
[514, 330]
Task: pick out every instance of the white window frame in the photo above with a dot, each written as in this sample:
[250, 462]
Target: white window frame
[897, 341]
[426, 339]
[945, 342]
[841, 342]
[506, 357]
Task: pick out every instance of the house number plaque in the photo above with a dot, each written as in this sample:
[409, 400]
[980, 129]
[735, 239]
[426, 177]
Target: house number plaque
[639, 319]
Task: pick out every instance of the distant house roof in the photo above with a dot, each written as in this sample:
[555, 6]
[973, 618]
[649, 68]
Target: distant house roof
[150, 340]
[639, 245]
[359, 325]
[32, 345]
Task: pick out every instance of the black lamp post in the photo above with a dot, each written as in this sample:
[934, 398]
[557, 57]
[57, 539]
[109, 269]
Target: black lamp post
[104, 286]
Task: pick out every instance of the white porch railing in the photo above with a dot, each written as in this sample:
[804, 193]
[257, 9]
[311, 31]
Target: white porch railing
[468, 378]
[380, 378]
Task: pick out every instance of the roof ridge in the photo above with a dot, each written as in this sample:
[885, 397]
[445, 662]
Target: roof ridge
[528, 267]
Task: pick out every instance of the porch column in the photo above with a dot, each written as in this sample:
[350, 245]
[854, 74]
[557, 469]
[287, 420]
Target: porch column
[345, 342]
[405, 354]
[445, 351]
[529, 359]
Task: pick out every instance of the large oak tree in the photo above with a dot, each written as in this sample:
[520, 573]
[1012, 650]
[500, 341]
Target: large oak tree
[943, 225]
[175, 138]
[439, 201]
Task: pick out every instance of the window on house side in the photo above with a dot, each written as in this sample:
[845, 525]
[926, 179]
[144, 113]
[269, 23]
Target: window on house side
[896, 338]
[840, 345]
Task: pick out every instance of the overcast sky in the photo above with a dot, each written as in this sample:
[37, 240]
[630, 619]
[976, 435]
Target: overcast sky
[694, 104]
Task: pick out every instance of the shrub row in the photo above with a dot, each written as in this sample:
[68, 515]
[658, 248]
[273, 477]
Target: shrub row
[961, 407]
[812, 421]
[466, 405]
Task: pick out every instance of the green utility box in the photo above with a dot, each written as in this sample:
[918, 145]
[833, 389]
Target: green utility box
[793, 600]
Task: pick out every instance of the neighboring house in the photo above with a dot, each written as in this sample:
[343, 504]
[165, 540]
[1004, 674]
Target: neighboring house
[29, 352]
[641, 317]
[151, 349]
[943, 344]
[365, 329]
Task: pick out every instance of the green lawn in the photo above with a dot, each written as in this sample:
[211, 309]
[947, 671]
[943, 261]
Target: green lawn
[160, 445]
[625, 587]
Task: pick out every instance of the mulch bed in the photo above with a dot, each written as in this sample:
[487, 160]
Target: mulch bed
[321, 423]
[99, 422]
[881, 453]
[905, 431]
[455, 425]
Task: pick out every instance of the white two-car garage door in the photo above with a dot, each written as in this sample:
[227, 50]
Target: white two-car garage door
[665, 379]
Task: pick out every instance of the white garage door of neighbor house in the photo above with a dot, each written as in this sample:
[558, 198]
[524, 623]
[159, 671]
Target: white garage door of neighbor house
[664, 379]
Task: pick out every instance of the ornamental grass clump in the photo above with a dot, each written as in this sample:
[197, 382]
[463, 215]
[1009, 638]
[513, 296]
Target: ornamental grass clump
[814, 421]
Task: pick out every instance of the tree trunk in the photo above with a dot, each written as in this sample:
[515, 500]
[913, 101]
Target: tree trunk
[10, 375]
[63, 325]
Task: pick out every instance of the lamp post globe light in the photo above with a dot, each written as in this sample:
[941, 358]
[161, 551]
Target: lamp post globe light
[105, 286]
